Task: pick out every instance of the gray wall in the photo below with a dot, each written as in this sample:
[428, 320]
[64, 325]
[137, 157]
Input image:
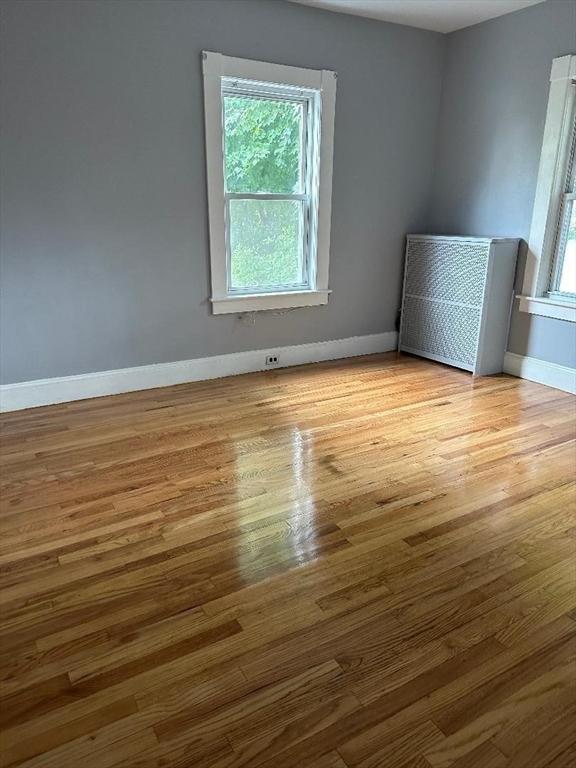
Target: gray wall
[492, 121]
[104, 223]
[104, 252]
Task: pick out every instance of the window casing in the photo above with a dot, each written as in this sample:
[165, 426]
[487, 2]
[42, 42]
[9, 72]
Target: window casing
[269, 222]
[548, 287]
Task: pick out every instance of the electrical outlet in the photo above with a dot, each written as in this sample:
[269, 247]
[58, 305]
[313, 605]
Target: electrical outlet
[272, 359]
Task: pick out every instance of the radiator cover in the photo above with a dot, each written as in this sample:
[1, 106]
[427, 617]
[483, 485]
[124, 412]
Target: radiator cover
[457, 300]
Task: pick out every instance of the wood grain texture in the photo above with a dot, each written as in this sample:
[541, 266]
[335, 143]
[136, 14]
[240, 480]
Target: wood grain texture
[358, 564]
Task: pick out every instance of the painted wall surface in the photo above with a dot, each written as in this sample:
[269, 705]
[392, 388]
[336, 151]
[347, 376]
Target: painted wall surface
[494, 102]
[105, 260]
[104, 251]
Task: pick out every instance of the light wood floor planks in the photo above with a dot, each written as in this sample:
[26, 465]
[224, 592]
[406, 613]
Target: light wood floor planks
[360, 564]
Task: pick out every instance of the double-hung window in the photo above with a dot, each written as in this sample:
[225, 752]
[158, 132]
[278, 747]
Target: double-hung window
[550, 277]
[269, 135]
[563, 277]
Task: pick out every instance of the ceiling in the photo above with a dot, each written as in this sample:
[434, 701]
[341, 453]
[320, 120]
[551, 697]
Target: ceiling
[437, 15]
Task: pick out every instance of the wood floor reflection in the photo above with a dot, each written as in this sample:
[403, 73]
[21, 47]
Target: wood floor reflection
[364, 563]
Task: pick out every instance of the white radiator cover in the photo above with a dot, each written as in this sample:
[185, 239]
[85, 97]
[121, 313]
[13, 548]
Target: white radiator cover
[457, 300]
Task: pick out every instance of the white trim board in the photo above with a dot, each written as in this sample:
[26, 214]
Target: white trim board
[561, 310]
[31, 394]
[551, 374]
[550, 191]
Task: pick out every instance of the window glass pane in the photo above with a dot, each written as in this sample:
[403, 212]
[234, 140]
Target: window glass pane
[266, 243]
[263, 145]
[568, 274]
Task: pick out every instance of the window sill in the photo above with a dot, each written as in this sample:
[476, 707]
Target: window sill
[541, 305]
[262, 301]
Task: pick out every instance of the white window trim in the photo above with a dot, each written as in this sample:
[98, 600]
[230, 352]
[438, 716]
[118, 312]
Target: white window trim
[546, 212]
[215, 67]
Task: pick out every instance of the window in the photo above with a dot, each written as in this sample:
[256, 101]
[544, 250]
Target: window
[550, 278]
[563, 282]
[269, 135]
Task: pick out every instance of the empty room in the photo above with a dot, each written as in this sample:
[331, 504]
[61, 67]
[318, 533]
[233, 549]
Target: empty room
[288, 384]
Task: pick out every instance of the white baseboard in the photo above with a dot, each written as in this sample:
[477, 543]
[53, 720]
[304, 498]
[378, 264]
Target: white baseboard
[551, 374]
[31, 394]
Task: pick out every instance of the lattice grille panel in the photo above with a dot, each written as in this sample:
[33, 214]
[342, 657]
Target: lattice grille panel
[451, 270]
[446, 330]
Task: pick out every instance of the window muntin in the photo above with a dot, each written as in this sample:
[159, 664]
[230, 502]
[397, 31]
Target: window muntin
[563, 282]
[268, 154]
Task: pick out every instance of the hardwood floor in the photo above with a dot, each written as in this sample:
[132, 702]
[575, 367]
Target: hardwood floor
[363, 564]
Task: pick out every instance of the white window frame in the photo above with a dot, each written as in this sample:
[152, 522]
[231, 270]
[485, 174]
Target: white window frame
[537, 296]
[319, 89]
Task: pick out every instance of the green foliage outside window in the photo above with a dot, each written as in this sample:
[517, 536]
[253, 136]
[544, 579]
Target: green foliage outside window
[262, 145]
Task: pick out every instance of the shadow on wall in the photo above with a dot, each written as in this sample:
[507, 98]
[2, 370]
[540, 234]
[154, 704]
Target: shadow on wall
[520, 266]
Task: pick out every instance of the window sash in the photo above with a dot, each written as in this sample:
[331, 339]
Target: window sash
[261, 91]
[279, 287]
[568, 201]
